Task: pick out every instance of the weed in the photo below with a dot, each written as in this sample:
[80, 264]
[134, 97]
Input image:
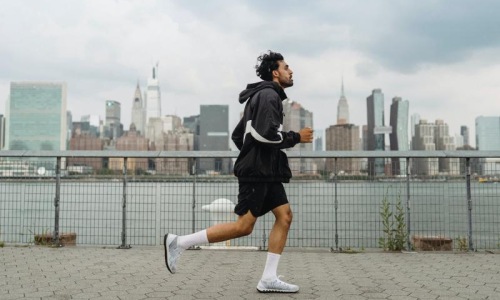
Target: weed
[41, 239]
[394, 239]
[350, 250]
[386, 242]
[462, 244]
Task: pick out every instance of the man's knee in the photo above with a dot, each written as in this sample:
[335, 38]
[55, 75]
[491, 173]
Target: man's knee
[245, 229]
[245, 224]
[285, 217]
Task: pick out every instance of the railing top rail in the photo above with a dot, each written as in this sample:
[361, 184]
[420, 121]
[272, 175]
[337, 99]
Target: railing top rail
[234, 154]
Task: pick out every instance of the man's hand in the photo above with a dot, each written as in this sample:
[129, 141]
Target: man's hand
[306, 135]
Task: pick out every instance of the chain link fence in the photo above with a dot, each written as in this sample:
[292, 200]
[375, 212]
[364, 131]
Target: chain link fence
[340, 200]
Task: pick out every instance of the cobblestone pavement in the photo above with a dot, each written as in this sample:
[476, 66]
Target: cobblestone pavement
[140, 273]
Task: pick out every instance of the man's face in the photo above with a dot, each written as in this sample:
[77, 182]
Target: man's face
[283, 75]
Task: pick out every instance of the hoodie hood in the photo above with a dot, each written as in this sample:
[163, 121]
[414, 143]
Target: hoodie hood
[253, 88]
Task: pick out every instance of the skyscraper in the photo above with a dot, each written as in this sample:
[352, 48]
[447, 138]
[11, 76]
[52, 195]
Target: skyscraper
[343, 137]
[36, 116]
[192, 123]
[414, 121]
[342, 108]
[445, 142]
[152, 100]
[459, 141]
[297, 117]
[36, 120]
[113, 127]
[488, 133]
[424, 139]
[214, 136]
[318, 140]
[2, 131]
[399, 135]
[488, 138]
[138, 111]
[464, 132]
[376, 131]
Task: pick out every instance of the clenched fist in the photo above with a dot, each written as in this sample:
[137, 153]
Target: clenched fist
[306, 135]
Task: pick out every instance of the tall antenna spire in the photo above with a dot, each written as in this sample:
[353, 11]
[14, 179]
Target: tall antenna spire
[342, 88]
[342, 107]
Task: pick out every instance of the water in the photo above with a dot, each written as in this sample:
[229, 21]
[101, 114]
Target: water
[93, 209]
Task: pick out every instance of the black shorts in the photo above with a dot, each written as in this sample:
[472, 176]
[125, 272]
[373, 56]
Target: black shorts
[260, 197]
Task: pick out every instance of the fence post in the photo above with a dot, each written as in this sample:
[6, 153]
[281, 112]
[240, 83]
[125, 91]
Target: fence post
[55, 238]
[124, 208]
[336, 204]
[469, 203]
[408, 215]
[193, 213]
[194, 196]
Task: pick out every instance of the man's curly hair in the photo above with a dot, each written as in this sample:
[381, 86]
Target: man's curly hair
[266, 64]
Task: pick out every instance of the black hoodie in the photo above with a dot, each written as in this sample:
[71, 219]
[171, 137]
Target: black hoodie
[259, 135]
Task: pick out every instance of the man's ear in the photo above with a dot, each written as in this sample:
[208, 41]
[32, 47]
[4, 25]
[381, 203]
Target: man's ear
[276, 73]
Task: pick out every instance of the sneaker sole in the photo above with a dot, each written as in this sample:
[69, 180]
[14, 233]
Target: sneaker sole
[167, 253]
[265, 291]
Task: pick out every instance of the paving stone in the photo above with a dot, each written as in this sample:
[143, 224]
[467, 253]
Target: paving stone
[139, 273]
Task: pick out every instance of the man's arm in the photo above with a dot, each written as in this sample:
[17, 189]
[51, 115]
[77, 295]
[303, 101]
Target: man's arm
[267, 127]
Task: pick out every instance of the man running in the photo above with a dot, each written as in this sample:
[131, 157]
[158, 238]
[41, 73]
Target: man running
[261, 168]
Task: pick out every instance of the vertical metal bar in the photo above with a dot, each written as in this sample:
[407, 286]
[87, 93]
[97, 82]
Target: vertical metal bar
[335, 179]
[193, 226]
[408, 214]
[124, 207]
[262, 247]
[469, 202]
[55, 238]
[193, 207]
[158, 210]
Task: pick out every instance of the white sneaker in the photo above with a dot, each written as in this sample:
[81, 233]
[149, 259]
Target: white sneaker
[172, 251]
[276, 286]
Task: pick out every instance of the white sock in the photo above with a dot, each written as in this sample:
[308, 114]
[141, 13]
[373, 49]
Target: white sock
[186, 241]
[271, 268]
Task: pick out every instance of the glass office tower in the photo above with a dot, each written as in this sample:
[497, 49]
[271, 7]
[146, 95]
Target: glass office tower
[376, 139]
[399, 136]
[214, 136]
[488, 139]
[36, 116]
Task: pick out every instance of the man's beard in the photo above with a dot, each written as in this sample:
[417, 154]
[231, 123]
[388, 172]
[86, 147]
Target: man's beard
[286, 84]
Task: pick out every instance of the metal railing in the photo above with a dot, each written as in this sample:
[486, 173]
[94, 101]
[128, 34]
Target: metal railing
[134, 198]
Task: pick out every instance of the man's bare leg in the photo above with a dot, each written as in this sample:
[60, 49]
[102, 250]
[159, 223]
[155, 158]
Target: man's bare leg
[174, 245]
[227, 231]
[279, 232]
[277, 239]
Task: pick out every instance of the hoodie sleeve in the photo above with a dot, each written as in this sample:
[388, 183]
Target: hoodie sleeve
[238, 133]
[266, 127]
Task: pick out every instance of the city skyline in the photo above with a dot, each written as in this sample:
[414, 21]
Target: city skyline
[113, 127]
[443, 62]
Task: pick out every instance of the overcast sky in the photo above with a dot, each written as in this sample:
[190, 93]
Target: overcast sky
[442, 56]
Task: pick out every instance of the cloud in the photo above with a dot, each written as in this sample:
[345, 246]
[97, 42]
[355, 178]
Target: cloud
[418, 34]
[440, 55]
